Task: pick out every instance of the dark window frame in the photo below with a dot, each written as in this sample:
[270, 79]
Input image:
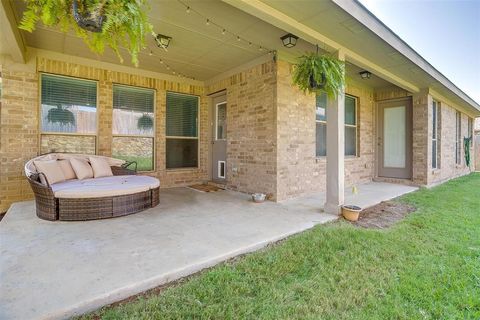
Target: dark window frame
[197, 137]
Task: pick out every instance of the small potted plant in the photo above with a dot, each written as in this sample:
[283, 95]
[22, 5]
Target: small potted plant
[315, 72]
[350, 212]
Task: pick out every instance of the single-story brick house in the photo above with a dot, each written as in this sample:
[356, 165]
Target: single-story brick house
[220, 106]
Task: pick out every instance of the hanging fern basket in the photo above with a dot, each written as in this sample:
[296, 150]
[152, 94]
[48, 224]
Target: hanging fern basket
[90, 21]
[100, 23]
[61, 116]
[314, 73]
[145, 122]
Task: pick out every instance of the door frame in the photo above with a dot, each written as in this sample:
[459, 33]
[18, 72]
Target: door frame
[409, 135]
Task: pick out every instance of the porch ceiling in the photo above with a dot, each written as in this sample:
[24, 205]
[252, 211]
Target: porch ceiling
[196, 50]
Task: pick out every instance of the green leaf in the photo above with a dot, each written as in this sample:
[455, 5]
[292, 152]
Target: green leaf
[319, 66]
[125, 22]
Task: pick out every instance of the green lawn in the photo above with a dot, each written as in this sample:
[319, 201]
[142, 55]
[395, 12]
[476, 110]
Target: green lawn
[425, 267]
[143, 163]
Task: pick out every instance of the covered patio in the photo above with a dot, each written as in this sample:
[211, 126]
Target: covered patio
[54, 270]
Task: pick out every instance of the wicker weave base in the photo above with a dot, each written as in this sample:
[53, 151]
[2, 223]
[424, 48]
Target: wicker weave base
[106, 207]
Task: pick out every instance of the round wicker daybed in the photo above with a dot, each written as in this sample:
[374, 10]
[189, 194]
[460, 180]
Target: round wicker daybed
[118, 192]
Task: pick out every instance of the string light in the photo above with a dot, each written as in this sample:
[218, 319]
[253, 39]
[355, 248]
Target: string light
[208, 22]
[224, 30]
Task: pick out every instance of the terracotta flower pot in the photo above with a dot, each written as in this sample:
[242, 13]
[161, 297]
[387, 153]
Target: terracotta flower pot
[350, 212]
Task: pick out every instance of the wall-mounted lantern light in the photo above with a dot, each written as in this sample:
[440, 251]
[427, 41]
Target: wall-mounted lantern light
[289, 40]
[162, 41]
[365, 75]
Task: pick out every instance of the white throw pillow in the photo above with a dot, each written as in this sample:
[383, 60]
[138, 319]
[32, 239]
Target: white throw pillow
[82, 168]
[67, 169]
[51, 169]
[100, 167]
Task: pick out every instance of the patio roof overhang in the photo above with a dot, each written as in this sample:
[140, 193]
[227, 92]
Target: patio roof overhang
[202, 52]
[367, 42]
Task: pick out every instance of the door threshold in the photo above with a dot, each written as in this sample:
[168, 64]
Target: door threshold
[218, 183]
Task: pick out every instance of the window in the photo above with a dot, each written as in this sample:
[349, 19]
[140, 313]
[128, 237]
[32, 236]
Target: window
[321, 125]
[350, 126]
[435, 134]
[458, 138]
[134, 125]
[470, 127]
[68, 114]
[181, 131]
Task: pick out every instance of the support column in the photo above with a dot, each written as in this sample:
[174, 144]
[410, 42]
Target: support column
[336, 150]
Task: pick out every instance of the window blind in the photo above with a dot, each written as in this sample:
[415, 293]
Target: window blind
[350, 114]
[64, 91]
[182, 115]
[132, 98]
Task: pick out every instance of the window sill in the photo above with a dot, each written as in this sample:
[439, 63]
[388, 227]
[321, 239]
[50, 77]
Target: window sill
[347, 158]
[351, 157]
[181, 169]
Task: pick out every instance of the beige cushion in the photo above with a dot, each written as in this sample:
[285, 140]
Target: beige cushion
[104, 187]
[100, 167]
[52, 171]
[67, 169]
[82, 168]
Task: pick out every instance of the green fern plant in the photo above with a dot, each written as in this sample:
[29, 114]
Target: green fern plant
[123, 23]
[314, 73]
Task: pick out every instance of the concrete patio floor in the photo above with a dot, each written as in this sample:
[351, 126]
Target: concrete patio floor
[54, 270]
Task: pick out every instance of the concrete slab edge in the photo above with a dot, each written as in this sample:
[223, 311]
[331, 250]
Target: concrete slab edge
[139, 287]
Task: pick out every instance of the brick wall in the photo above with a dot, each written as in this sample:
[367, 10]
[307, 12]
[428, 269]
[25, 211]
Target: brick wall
[299, 171]
[447, 168]
[420, 138]
[18, 131]
[251, 137]
[270, 137]
[106, 79]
